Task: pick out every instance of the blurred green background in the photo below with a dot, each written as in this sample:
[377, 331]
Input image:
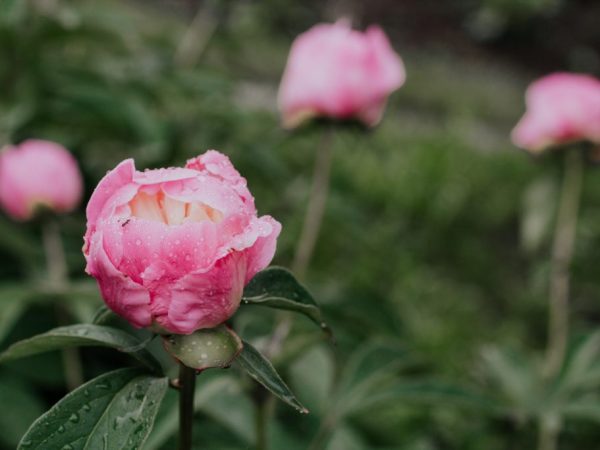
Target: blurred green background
[432, 263]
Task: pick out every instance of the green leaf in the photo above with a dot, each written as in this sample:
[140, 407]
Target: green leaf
[435, 392]
[277, 288]
[114, 411]
[261, 369]
[25, 407]
[103, 315]
[13, 302]
[204, 349]
[81, 336]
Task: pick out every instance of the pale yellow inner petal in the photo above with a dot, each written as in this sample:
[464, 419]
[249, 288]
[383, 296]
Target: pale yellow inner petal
[161, 208]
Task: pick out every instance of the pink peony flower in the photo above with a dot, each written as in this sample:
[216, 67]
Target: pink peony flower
[38, 173]
[561, 108]
[336, 72]
[172, 249]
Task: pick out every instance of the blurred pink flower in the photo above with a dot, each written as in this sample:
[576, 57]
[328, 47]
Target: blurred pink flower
[35, 174]
[172, 249]
[336, 72]
[561, 108]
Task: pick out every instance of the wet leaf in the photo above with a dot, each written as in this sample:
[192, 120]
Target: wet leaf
[114, 411]
[276, 287]
[261, 369]
[81, 336]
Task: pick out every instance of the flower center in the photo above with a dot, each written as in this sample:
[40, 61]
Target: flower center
[162, 208]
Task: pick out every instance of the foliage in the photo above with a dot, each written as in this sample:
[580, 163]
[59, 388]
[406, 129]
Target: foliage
[428, 267]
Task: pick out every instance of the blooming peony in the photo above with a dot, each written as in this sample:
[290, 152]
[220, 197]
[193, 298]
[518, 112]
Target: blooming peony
[173, 248]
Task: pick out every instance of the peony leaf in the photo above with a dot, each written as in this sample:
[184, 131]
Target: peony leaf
[276, 287]
[261, 369]
[113, 411]
[81, 336]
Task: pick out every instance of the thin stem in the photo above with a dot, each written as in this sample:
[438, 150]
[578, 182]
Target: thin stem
[187, 386]
[321, 438]
[316, 205]
[55, 255]
[562, 255]
[197, 37]
[310, 231]
[547, 436]
[58, 281]
[264, 408]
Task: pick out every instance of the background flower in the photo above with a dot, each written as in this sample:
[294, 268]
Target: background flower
[561, 108]
[38, 173]
[334, 71]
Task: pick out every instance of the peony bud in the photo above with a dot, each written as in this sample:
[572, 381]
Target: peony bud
[561, 108]
[38, 174]
[172, 249]
[333, 71]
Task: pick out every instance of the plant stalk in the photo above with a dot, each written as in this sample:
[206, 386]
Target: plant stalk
[58, 281]
[316, 205]
[187, 386]
[562, 255]
[264, 403]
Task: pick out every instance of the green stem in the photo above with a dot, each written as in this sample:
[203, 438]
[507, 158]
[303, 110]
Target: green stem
[187, 385]
[316, 205]
[548, 435]
[197, 37]
[310, 231]
[58, 281]
[321, 438]
[264, 408]
[562, 255]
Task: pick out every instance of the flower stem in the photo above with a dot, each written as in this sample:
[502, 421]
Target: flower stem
[316, 205]
[58, 281]
[187, 386]
[55, 255]
[264, 404]
[547, 436]
[562, 256]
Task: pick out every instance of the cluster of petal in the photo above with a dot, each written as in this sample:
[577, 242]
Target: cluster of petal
[336, 72]
[561, 108]
[173, 248]
[37, 174]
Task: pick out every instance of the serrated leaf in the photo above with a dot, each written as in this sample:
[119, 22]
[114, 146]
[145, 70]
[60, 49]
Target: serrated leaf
[276, 287]
[114, 411]
[261, 369]
[204, 349]
[84, 335]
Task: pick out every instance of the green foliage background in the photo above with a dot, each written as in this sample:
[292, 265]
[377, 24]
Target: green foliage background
[432, 262]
